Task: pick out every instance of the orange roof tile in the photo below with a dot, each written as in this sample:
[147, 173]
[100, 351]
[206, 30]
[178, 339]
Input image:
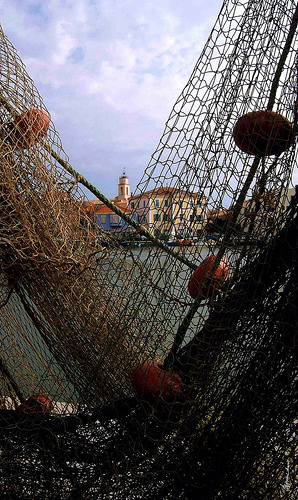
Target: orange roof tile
[106, 210]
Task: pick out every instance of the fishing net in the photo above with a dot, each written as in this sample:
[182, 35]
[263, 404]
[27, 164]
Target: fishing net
[166, 368]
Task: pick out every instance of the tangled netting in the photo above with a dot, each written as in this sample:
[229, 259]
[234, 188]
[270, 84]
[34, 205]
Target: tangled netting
[155, 371]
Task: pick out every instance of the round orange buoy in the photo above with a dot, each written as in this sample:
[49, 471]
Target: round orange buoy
[38, 403]
[152, 381]
[203, 273]
[29, 127]
[263, 133]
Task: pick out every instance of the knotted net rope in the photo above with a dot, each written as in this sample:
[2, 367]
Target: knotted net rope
[210, 411]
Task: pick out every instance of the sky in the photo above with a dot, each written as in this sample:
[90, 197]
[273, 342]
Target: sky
[109, 73]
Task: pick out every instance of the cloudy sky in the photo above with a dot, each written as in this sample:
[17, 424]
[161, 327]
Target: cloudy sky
[109, 72]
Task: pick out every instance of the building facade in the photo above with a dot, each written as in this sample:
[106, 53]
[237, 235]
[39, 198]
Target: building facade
[105, 217]
[168, 212]
[108, 220]
[261, 215]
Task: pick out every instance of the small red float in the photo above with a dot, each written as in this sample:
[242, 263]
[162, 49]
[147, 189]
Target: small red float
[263, 133]
[204, 273]
[29, 127]
[38, 403]
[152, 381]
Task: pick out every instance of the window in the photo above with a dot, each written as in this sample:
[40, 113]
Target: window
[115, 219]
[166, 202]
[103, 219]
[200, 217]
[132, 205]
[156, 217]
[181, 217]
[144, 203]
[157, 203]
[166, 217]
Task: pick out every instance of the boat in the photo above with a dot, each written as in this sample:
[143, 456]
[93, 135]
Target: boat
[182, 242]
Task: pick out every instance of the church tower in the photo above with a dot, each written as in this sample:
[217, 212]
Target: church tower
[123, 188]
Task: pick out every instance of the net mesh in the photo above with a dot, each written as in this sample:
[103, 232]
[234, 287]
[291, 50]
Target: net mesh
[166, 368]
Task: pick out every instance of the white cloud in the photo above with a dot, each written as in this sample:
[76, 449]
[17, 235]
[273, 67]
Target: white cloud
[66, 42]
[109, 72]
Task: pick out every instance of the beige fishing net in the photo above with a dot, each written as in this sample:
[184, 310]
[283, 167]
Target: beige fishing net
[166, 367]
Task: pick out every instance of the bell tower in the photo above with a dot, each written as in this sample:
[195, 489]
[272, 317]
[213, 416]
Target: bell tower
[123, 188]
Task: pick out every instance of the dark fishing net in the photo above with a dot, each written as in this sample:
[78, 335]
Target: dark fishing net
[123, 374]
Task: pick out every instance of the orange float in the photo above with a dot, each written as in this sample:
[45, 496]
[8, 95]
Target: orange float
[38, 403]
[152, 381]
[204, 273]
[263, 133]
[29, 127]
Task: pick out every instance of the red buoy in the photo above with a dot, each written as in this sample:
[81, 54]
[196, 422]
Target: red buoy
[38, 403]
[152, 381]
[29, 127]
[263, 133]
[204, 273]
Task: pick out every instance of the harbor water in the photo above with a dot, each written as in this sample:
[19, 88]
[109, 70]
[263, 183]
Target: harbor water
[158, 280]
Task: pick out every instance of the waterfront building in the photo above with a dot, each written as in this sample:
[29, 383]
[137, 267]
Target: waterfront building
[172, 213]
[169, 212]
[217, 220]
[94, 207]
[108, 220]
[263, 211]
[286, 196]
[257, 214]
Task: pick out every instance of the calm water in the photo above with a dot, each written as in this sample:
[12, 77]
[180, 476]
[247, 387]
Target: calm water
[159, 307]
[162, 293]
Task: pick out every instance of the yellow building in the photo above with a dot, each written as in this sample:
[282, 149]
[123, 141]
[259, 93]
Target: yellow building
[170, 213]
